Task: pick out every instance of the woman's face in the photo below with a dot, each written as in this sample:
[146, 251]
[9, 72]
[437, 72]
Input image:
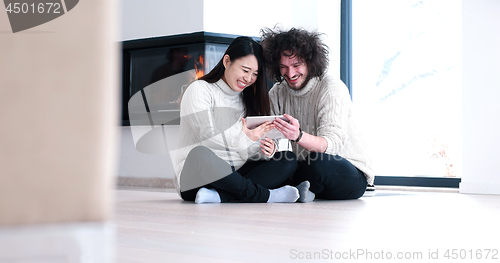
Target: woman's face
[241, 72]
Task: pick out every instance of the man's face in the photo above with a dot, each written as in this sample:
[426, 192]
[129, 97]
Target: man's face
[294, 70]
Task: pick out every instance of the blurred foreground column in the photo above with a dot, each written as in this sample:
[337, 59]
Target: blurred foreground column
[58, 112]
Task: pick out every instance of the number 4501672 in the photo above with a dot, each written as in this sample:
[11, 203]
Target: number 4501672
[40, 8]
[471, 254]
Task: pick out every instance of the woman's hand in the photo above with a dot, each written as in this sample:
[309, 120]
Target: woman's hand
[267, 146]
[257, 132]
[289, 129]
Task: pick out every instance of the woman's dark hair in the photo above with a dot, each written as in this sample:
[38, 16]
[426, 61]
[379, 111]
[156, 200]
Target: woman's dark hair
[255, 97]
[294, 42]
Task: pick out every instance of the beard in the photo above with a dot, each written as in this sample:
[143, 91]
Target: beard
[297, 86]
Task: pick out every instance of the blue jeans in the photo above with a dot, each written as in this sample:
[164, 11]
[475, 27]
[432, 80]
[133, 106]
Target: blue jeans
[331, 177]
[250, 183]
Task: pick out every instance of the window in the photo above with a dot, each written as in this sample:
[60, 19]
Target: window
[406, 85]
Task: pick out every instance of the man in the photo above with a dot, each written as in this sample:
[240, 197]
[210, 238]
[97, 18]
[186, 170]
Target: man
[332, 158]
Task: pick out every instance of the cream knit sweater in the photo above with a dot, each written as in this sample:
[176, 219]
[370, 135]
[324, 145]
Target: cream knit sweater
[324, 108]
[209, 111]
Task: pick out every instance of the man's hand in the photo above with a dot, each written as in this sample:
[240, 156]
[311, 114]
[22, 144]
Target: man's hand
[289, 129]
[257, 132]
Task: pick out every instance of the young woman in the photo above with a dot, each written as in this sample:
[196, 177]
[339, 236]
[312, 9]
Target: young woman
[220, 159]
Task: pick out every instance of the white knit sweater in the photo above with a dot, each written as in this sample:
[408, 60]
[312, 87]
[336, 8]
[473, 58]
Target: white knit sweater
[209, 111]
[324, 108]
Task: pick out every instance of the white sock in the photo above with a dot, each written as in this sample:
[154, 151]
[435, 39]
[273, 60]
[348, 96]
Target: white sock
[285, 194]
[305, 194]
[205, 195]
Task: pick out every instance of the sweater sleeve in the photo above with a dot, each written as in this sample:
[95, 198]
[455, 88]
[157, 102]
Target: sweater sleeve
[219, 129]
[334, 109]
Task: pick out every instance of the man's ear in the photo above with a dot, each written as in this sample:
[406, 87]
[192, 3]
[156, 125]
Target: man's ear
[226, 60]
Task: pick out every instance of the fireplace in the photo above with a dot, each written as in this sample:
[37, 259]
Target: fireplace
[157, 70]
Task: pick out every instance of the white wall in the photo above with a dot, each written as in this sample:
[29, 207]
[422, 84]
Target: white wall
[153, 18]
[329, 24]
[136, 164]
[481, 91]
[247, 18]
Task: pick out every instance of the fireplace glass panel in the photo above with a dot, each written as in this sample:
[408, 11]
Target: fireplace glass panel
[159, 76]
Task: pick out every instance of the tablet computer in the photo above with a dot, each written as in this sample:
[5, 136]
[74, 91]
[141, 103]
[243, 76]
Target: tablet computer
[254, 121]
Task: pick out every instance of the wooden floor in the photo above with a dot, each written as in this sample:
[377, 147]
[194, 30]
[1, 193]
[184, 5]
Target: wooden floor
[157, 226]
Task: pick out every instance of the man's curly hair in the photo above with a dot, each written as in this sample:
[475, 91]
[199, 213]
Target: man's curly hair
[294, 42]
